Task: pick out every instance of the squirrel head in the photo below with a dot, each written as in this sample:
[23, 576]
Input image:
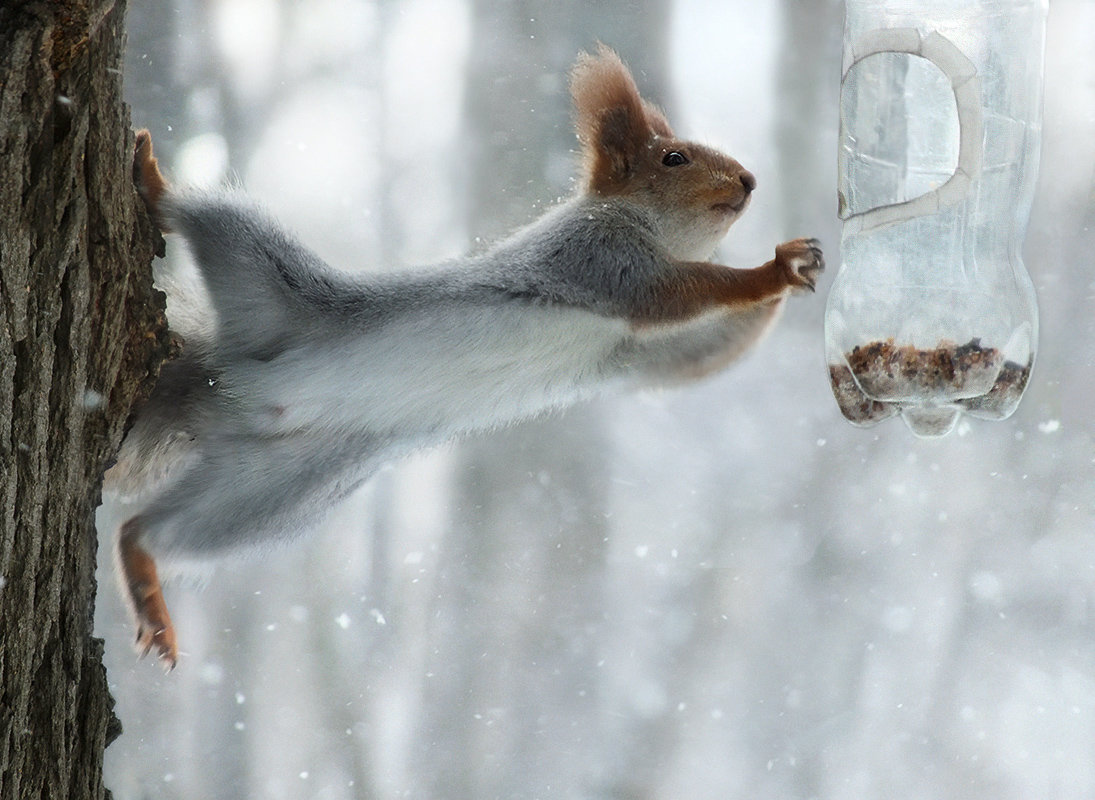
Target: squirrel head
[630, 153]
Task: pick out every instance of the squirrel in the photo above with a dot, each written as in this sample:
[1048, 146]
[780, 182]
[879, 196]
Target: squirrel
[309, 379]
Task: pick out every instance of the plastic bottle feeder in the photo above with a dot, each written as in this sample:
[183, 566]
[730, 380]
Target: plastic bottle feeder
[932, 314]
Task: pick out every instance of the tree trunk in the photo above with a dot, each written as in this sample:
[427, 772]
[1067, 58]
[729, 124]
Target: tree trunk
[82, 333]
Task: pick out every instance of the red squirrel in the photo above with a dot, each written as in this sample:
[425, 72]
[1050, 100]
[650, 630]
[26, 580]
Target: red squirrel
[303, 380]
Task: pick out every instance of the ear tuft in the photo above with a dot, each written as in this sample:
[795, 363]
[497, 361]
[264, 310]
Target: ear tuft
[657, 121]
[614, 124]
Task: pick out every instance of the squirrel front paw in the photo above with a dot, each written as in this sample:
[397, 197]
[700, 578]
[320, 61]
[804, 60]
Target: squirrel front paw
[800, 262]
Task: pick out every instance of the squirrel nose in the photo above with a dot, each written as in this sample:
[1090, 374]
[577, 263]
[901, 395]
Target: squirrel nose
[748, 182]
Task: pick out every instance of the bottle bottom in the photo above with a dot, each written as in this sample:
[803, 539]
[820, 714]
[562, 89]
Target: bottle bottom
[930, 389]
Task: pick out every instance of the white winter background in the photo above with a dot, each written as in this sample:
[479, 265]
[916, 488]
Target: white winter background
[719, 591]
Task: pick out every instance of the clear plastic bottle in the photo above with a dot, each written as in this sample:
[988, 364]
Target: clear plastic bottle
[932, 313]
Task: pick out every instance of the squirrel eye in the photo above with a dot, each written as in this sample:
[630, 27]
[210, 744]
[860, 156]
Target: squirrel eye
[674, 159]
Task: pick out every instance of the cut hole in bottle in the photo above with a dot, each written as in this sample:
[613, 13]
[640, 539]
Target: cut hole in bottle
[899, 137]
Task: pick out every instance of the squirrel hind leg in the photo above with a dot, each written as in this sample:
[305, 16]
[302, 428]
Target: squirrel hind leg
[141, 590]
[151, 183]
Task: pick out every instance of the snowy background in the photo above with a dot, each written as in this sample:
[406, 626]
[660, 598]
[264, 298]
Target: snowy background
[723, 591]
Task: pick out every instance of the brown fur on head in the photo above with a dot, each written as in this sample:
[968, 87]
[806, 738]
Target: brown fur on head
[629, 150]
[613, 122]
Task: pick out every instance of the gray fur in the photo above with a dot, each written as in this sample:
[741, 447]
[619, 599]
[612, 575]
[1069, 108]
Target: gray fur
[311, 378]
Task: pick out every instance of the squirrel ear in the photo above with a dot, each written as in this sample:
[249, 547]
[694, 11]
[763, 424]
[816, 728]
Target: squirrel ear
[657, 121]
[614, 124]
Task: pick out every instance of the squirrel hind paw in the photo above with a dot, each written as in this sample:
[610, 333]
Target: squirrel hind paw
[157, 632]
[144, 596]
[151, 184]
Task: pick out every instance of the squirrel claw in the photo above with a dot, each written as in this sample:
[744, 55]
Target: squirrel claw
[802, 261]
[160, 637]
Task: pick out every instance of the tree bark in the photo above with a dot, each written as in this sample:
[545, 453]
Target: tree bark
[82, 333]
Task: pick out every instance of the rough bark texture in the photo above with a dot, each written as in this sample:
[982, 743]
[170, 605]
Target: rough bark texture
[81, 336]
